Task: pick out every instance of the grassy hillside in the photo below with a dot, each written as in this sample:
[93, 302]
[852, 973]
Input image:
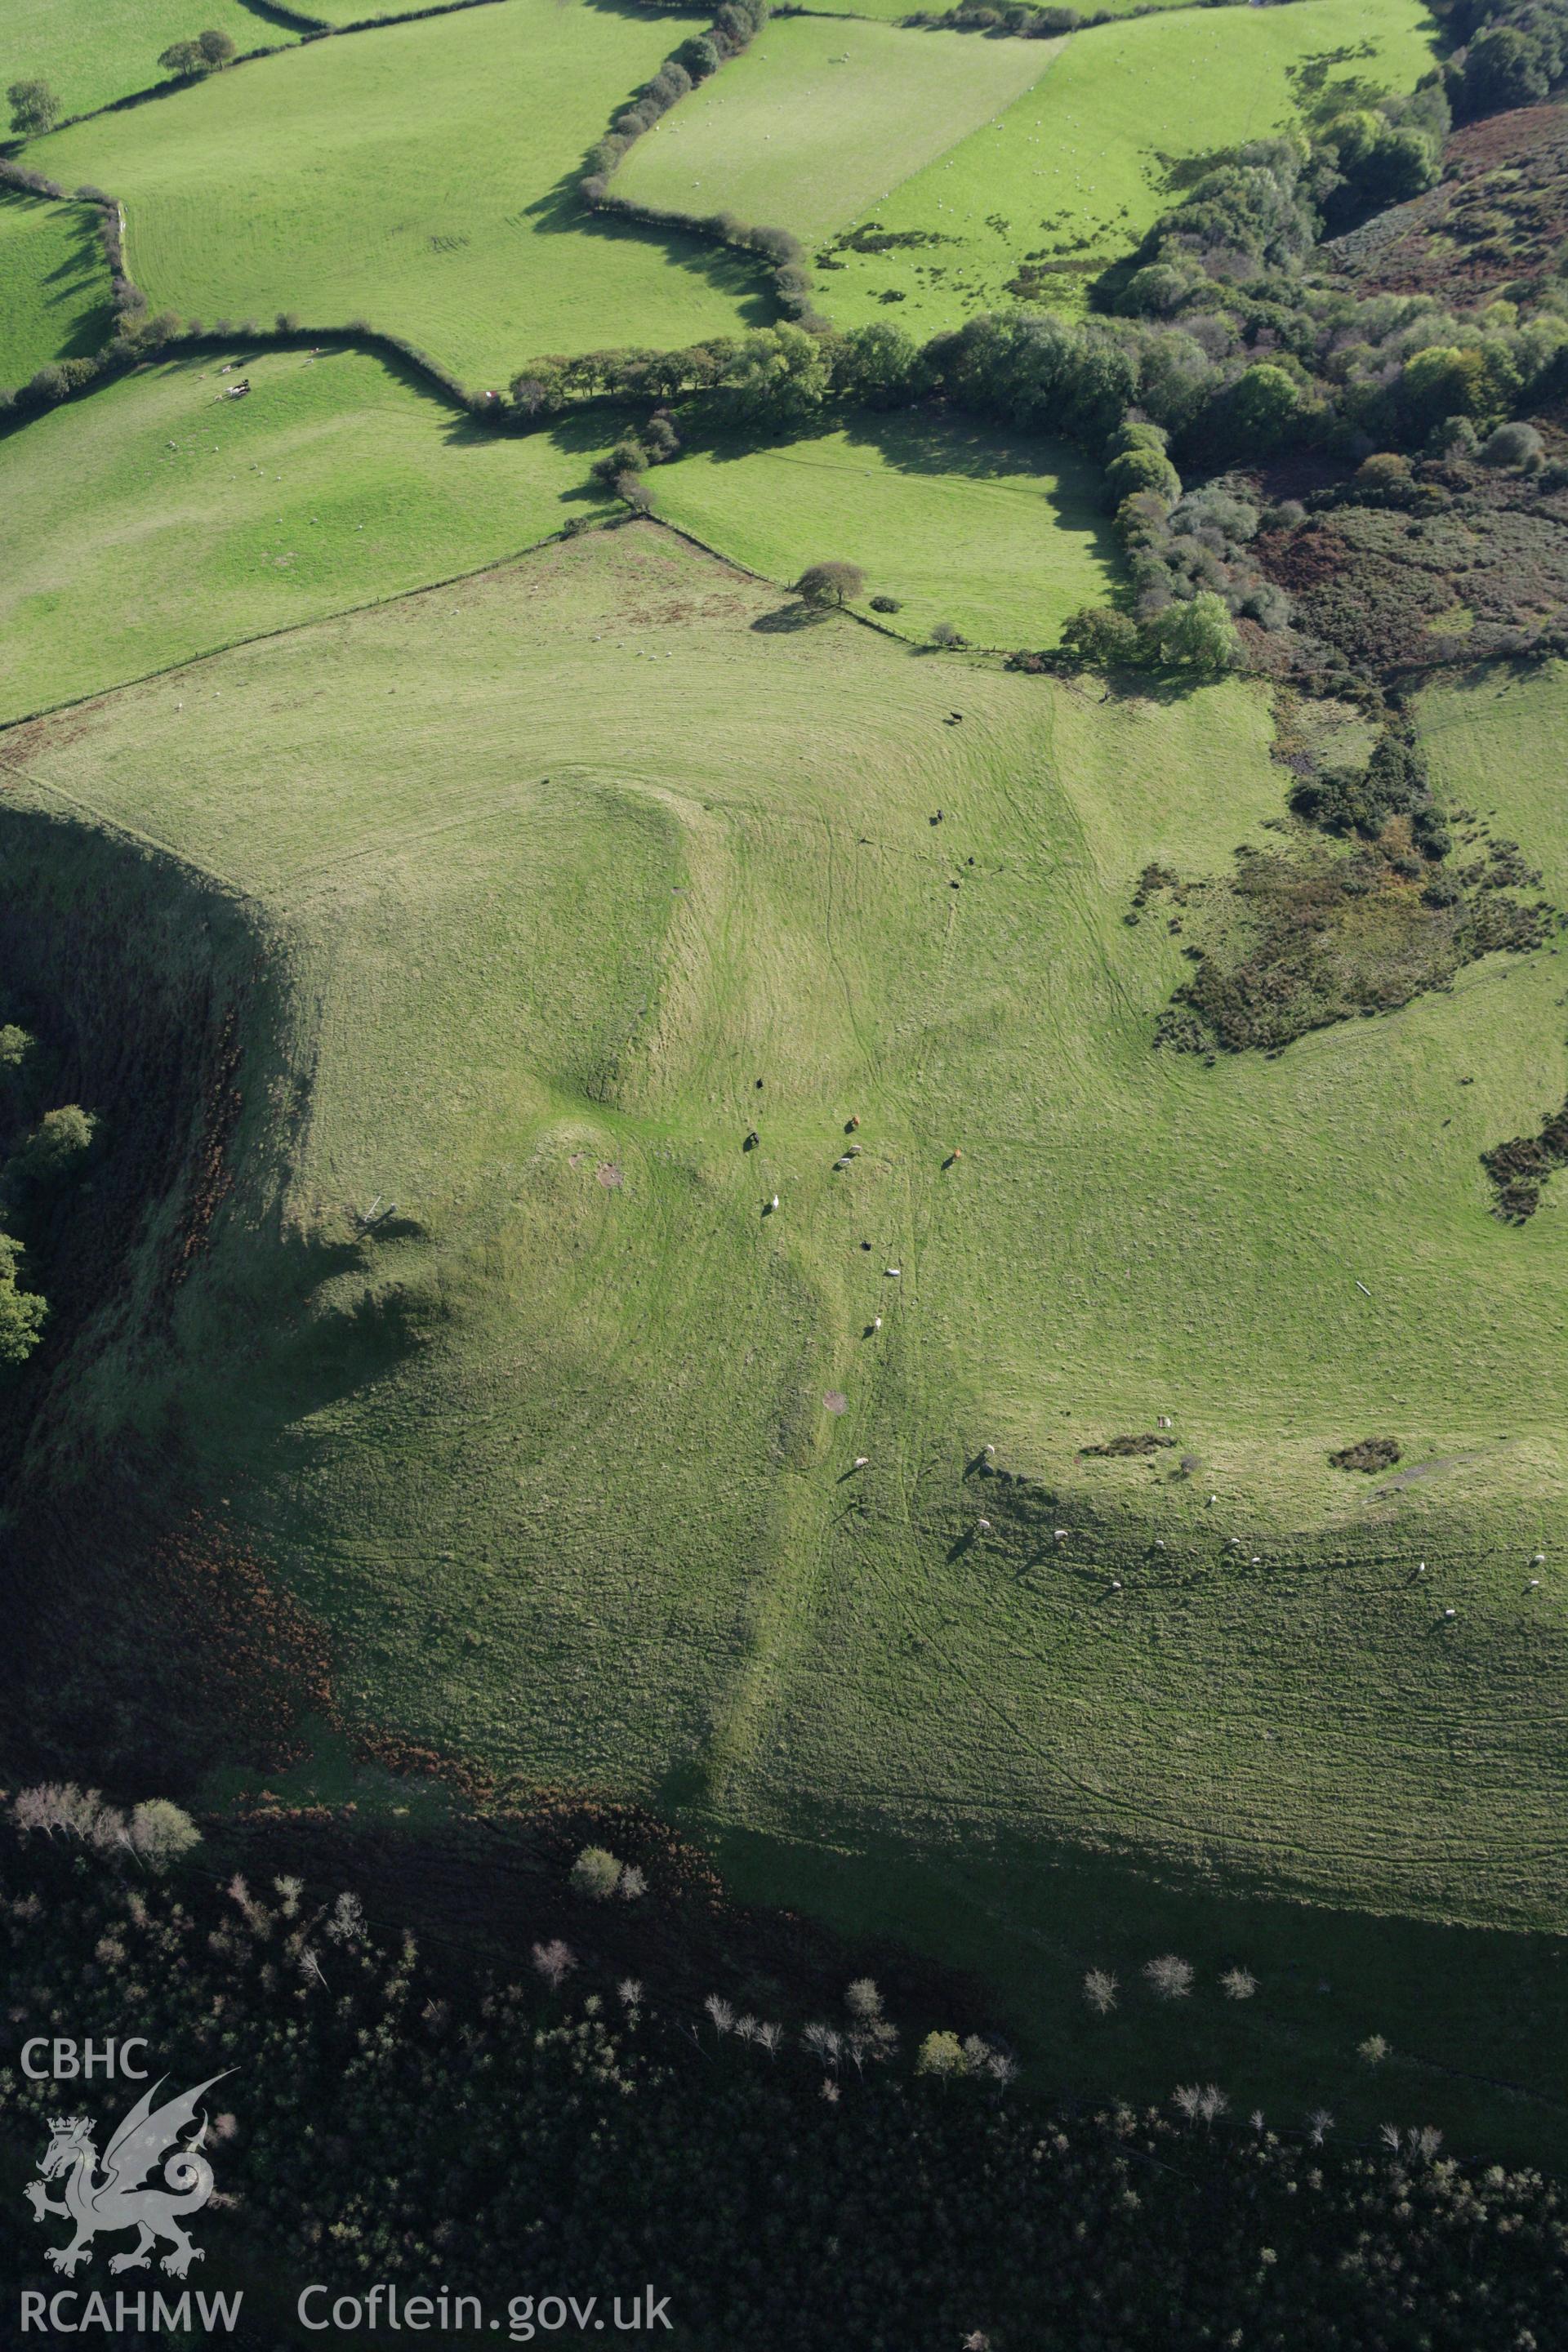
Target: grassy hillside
[583, 1405]
[1003, 535]
[54, 285]
[158, 519]
[820, 119]
[418, 177]
[90, 52]
[1075, 171]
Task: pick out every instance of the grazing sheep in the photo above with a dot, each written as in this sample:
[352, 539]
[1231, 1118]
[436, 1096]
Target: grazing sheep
[861, 1460]
[893, 1270]
[1116, 1584]
[1450, 1613]
[773, 1204]
[1538, 1560]
[984, 1525]
[1061, 1535]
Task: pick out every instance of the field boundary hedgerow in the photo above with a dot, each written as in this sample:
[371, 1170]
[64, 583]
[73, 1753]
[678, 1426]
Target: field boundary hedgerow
[375, 603]
[736, 25]
[338, 612]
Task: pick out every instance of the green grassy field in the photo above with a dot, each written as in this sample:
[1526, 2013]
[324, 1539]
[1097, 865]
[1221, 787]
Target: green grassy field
[558, 864]
[54, 285]
[820, 119]
[156, 519]
[1004, 536]
[1075, 171]
[308, 182]
[90, 52]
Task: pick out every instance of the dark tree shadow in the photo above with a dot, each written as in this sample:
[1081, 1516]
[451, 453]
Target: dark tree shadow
[786, 620]
[82, 273]
[741, 278]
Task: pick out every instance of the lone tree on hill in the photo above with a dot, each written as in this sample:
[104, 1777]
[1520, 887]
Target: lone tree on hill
[33, 108]
[830, 584]
[209, 52]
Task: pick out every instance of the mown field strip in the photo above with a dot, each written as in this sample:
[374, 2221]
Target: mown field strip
[818, 119]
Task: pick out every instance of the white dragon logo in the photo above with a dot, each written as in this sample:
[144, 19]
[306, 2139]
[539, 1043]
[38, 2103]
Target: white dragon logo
[122, 2200]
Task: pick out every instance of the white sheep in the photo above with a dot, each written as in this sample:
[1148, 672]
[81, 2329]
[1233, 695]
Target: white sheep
[984, 1526]
[1538, 1560]
[861, 1460]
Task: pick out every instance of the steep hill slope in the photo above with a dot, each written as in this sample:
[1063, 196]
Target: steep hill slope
[562, 862]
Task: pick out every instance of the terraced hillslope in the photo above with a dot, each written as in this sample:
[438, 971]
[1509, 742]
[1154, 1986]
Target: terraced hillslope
[554, 867]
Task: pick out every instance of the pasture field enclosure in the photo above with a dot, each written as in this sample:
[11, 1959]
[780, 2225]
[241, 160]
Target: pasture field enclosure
[159, 519]
[820, 118]
[94, 51]
[1002, 535]
[421, 177]
[54, 285]
[1075, 171]
[549, 868]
